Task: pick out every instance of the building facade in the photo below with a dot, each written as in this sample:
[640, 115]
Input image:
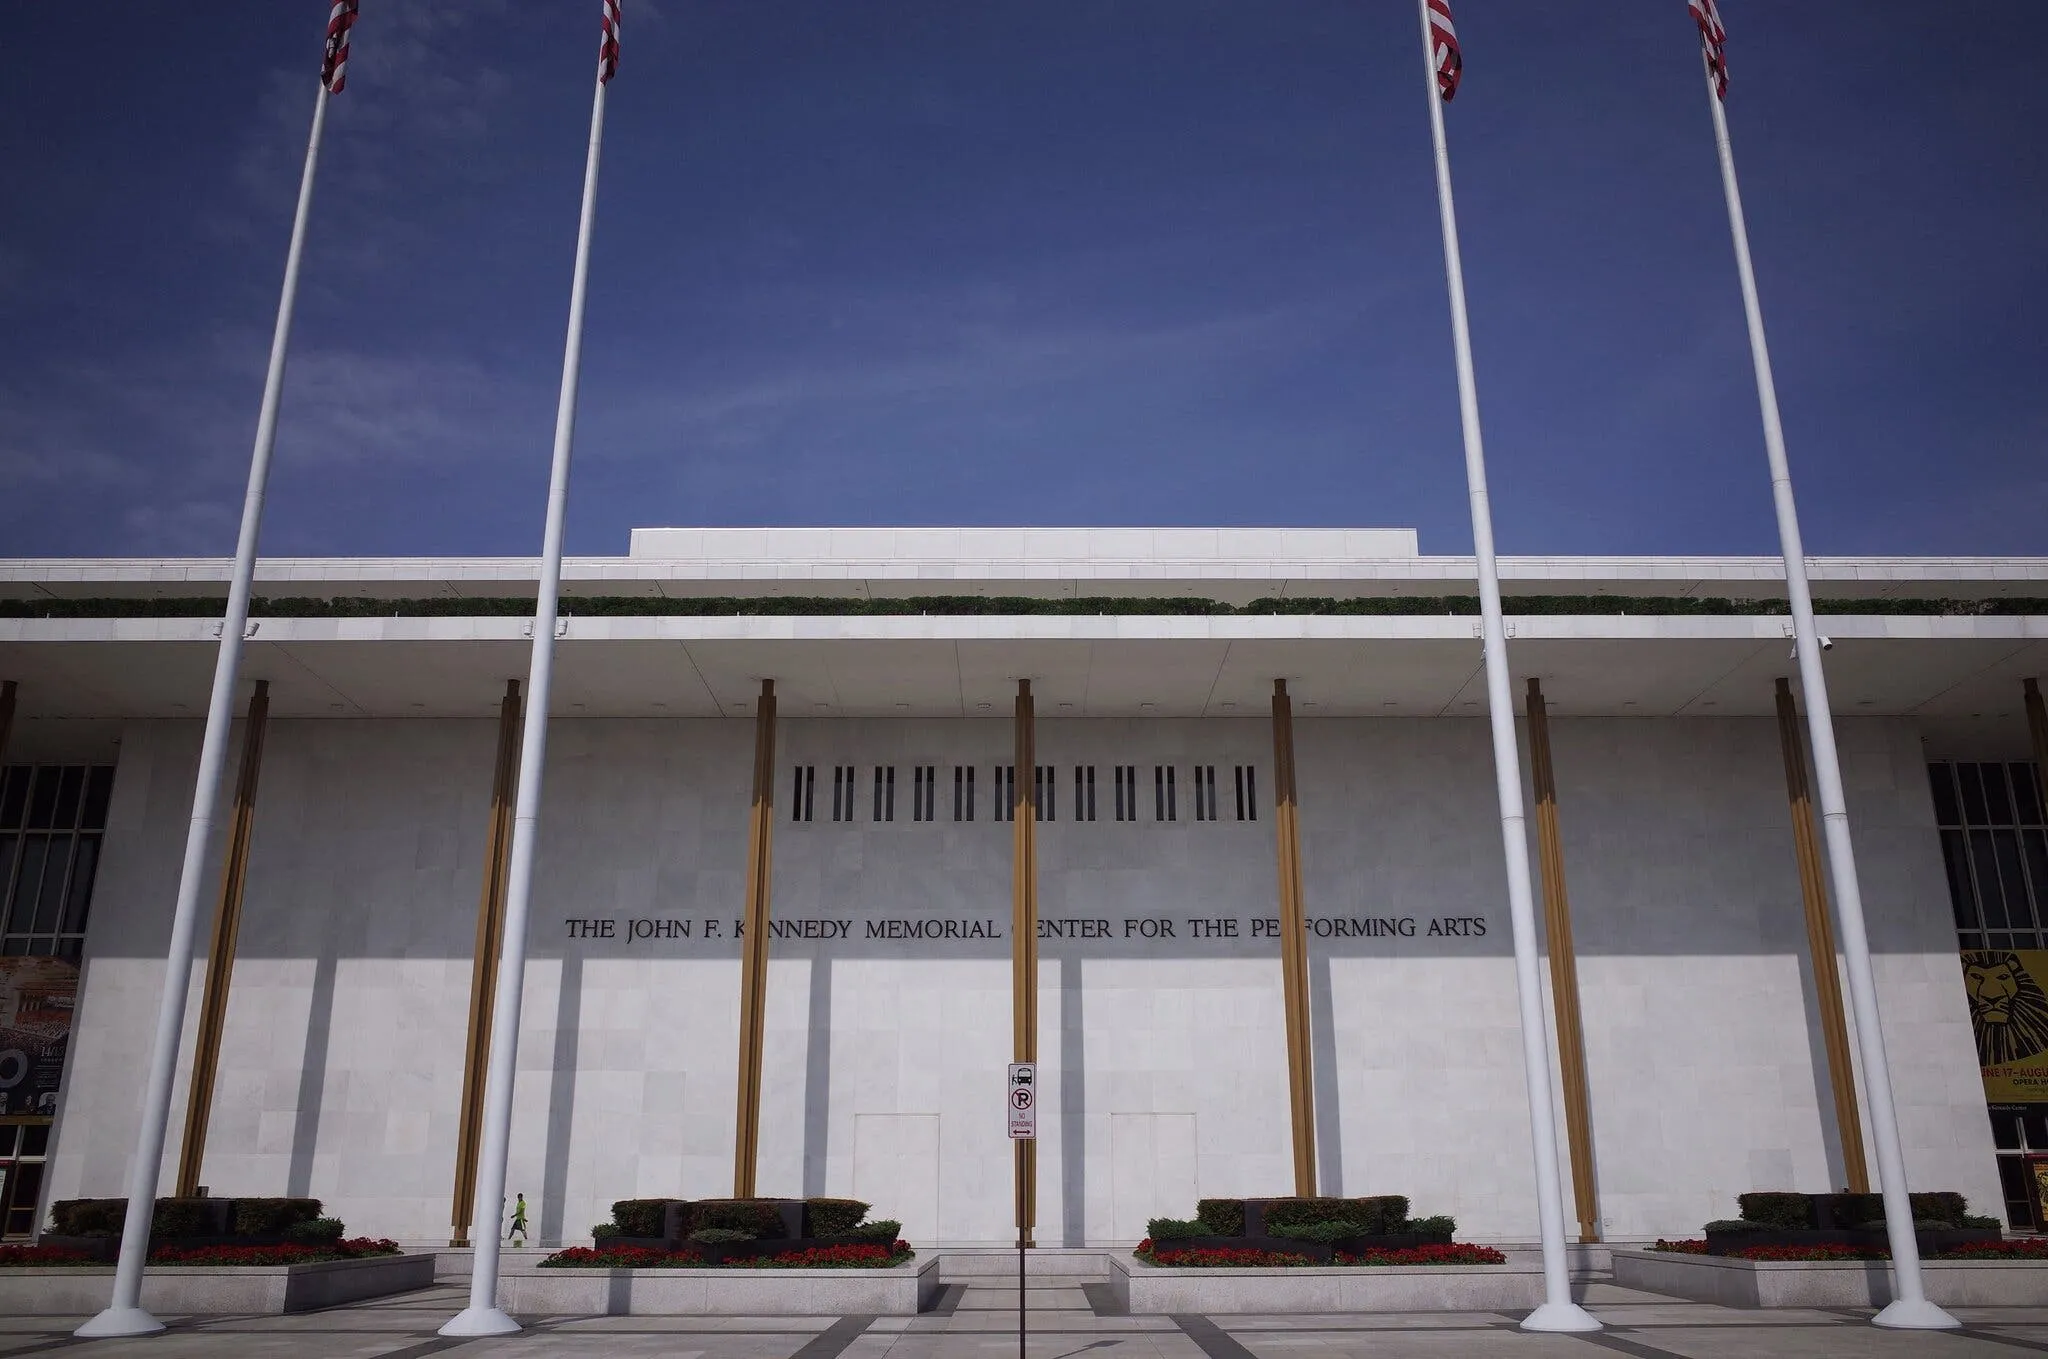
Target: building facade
[338, 1067]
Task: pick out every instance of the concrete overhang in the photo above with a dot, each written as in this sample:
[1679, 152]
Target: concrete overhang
[1081, 666]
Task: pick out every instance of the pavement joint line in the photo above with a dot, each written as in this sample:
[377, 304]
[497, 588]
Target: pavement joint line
[1623, 1345]
[1211, 1339]
[1994, 1338]
[834, 1339]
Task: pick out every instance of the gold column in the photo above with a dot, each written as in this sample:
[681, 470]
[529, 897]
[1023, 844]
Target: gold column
[220, 955]
[1564, 970]
[2037, 725]
[1820, 943]
[754, 947]
[1024, 934]
[1293, 946]
[483, 971]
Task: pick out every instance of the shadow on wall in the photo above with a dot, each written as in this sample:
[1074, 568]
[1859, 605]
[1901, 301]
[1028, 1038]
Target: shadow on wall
[818, 1078]
[312, 1080]
[1322, 1021]
[554, 1189]
[1073, 1108]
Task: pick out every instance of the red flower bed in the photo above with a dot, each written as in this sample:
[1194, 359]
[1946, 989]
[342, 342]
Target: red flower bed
[16, 1256]
[1456, 1253]
[354, 1248]
[2030, 1248]
[1218, 1259]
[853, 1255]
[1828, 1251]
[620, 1257]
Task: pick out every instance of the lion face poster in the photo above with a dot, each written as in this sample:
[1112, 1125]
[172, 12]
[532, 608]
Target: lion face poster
[2009, 1012]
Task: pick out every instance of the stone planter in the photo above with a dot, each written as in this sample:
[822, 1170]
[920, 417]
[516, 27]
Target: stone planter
[1143, 1288]
[202, 1290]
[1828, 1283]
[526, 1289]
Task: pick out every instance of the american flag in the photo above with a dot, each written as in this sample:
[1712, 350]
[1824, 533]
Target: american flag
[1450, 61]
[608, 49]
[334, 66]
[1714, 39]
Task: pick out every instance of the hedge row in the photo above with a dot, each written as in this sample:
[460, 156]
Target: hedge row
[1376, 1215]
[175, 1217]
[752, 1218]
[1786, 1211]
[626, 606]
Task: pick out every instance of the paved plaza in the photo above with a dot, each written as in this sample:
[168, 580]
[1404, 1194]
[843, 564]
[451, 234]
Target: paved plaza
[1068, 1321]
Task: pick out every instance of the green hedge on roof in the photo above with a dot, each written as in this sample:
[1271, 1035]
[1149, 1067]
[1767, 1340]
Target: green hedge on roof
[622, 606]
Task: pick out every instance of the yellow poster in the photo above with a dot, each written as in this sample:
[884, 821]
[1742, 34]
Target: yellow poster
[2009, 1011]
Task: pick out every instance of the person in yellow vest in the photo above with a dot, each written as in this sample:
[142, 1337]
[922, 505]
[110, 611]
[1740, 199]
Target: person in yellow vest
[518, 1222]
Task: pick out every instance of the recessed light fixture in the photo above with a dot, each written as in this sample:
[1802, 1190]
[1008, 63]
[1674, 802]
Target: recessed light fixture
[1390, 703]
[661, 705]
[982, 706]
[1229, 707]
[1148, 707]
[579, 707]
[821, 705]
[1068, 706]
[422, 705]
[1864, 702]
[903, 707]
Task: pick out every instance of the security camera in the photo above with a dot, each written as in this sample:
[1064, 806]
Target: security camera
[1827, 644]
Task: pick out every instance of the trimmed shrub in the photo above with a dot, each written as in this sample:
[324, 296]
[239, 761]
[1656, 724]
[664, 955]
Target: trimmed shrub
[1176, 1229]
[719, 1236]
[1982, 1223]
[272, 1217]
[1848, 1210]
[88, 1217]
[187, 1217]
[1791, 1212]
[1380, 1214]
[1948, 1209]
[1302, 1212]
[756, 1217]
[319, 1231]
[603, 1230]
[640, 1217]
[1737, 1225]
[1440, 1225]
[832, 1217]
[1323, 1232]
[1223, 1217]
[885, 1231]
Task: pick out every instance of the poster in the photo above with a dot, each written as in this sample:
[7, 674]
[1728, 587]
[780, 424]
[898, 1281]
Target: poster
[36, 1000]
[2009, 1014]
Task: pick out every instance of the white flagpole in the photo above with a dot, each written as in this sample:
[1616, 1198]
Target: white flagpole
[483, 1316]
[124, 1314]
[1910, 1310]
[1558, 1312]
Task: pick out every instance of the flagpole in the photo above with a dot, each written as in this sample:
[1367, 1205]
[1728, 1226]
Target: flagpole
[124, 1315]
[1910, 1309]
[1558, 1312]
[483, 1316]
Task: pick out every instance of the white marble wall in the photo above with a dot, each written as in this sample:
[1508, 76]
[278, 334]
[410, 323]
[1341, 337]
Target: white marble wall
[1162, 1060]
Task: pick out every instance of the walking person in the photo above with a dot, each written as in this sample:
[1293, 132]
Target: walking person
[518, 1222]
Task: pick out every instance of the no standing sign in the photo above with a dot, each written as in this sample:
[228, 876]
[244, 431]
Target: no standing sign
[1022, 1101]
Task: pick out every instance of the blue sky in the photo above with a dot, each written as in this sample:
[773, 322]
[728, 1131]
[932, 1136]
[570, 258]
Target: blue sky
[1067, 261]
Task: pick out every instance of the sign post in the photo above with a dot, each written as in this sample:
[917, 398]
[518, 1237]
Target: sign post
[1021, 1109]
